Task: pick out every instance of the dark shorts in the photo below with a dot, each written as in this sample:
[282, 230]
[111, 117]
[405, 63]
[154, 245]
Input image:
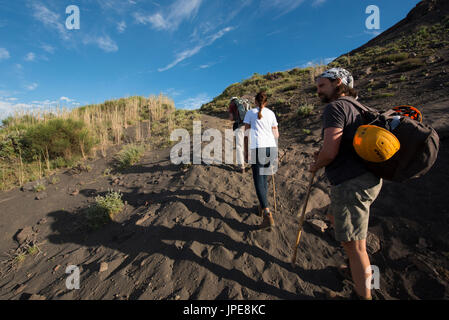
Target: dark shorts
[350, 206]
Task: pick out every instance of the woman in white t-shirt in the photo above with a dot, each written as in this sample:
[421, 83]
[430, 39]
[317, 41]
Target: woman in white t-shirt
[264, 134]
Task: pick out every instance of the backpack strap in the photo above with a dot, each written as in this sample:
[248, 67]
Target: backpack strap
[358, 105]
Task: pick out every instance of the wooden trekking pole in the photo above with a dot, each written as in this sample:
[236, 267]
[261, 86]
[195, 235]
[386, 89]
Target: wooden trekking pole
[302, 218]
[274, 190]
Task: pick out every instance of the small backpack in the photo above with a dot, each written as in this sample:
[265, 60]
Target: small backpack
[243, 107]
[419, 144]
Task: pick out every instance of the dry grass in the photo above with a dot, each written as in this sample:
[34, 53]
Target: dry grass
[153, 118]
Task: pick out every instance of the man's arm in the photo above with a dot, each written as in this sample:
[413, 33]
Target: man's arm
[329, 151]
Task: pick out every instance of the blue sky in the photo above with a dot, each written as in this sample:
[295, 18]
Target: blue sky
[190, 50]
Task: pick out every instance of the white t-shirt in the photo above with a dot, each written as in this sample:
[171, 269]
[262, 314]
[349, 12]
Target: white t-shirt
[261, 130]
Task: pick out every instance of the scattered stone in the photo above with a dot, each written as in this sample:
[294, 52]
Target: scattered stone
[372, 243]
[41, 196]
[56, 268]
[103, 267]
[42, 221]
[423, 265]
[142, 220]
[330, 294]
[318, 225]
[20, 289]
[432, 59]
[369, 70]
[37, 297]
[75, 192]
[24, 235]
[177, 297]
[422, 244]
[211, 199]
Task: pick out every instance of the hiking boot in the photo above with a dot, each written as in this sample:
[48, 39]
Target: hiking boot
[268, 221]
[355, 296]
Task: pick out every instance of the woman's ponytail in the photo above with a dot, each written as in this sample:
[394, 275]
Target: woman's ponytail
[261, 100]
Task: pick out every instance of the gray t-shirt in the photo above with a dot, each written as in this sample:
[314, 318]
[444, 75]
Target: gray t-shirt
[347, 165]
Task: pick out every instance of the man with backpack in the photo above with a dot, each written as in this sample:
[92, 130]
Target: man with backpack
[237, 111]
[353, 187]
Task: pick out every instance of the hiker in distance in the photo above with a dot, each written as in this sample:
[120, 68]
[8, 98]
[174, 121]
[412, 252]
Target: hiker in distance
[237, 110]
[264, 133]
[353, 187]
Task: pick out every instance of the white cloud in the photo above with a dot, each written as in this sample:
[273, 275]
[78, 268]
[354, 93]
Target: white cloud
[373, 33]
[104, 42]
[317, 3]
[121, 26]
[284, 6]
[32, 86]
[195, 102]
[329, 60]
[66, 99]
[4, 54]
[48, 48]
[172, 17]
[7, 108]
[50, 19]
[172, 92]
[181, 57]
[30, 56]
[191, 52]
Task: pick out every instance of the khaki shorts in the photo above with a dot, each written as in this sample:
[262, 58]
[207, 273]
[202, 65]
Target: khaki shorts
[350, 204]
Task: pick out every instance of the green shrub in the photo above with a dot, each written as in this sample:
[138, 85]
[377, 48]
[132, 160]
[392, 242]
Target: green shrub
[39, 187]
[305, 110]
[57, 138]
[33, 250]
[289, 87]
[385, 95]
[104, 209]
[129, 155]
[410, 64]
[54, 180]
[306, 131]
[395, 57]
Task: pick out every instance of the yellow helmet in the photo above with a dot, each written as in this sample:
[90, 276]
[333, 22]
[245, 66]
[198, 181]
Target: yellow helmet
[375, 144]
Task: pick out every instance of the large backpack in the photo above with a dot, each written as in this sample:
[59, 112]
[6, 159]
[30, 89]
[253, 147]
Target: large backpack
[419, 144]
[242, 106]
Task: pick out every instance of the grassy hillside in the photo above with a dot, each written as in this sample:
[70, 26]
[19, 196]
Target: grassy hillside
[34, 145]
[407, 67]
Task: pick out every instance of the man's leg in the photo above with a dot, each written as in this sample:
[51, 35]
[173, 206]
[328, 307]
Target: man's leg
[239, 145]
[359, 263]
[350, 207]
